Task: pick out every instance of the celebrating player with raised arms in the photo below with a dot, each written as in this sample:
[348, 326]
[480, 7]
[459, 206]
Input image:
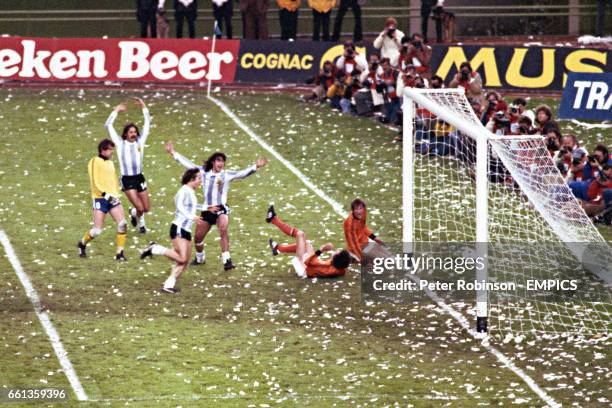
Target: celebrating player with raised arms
[215, 186]
[130, 147]
[180, 230]
[105, 194]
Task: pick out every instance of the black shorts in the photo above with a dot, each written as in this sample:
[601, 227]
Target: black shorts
[136, 182]
[175, 231]
[211, 217]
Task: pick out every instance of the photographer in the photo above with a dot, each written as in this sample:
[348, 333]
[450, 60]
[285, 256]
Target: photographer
[389, 91]
[596, 161]
[389, 41]
[578, 158]
[513, 115]
[552, 141]
[418, 54]
[499, 123]
[468, 79]
[368, 99]
[543, 119]
[490, 107]
[323, 81]
[351, 62]
[593, 198]
[336, 91]
[521, 104]
[436, 82]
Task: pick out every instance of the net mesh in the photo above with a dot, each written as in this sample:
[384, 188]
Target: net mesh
[537, 229]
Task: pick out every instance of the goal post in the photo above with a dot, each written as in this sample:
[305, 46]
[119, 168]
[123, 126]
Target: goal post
[464, 184]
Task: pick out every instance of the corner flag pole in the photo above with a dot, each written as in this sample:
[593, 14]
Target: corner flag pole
[214, 40]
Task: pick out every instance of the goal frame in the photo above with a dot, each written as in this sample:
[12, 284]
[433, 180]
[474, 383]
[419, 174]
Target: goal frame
[412, 97]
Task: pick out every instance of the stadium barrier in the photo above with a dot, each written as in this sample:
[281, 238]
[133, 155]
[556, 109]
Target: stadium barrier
[535, 68]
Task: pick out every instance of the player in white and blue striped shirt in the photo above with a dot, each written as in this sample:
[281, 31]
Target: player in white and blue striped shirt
[130, 151]
[215, 186]
[180, 229]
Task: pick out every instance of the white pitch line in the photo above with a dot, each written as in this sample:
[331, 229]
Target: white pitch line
[335, 205]
[461, 319]
[43, 316]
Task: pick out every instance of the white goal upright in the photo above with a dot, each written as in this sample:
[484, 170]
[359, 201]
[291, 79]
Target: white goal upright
[505, 196]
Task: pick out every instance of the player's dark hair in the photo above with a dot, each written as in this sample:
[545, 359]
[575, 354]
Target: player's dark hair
[519, 101]
[105, 144]
[358, 202]
[208, 164]
[189, 175]
[341, 260]
[127, 127]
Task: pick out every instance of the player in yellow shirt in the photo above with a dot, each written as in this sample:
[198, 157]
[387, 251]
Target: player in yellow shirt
[105, 194]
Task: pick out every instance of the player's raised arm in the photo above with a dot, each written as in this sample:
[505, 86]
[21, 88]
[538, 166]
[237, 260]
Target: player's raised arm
[180, 158]
[242, 174]
[147, 120]
[122, 107]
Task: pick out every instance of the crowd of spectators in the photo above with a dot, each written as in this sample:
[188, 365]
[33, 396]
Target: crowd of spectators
[151, 14]
[374, 87]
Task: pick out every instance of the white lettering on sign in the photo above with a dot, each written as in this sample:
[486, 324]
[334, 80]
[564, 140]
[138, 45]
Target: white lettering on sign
[598, 96]
[164, 65]
[136, 61]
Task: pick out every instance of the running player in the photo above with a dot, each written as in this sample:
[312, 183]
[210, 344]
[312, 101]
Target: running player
[130, 147]
[180, 230]
[306, 261]
[105, 194]
[215, 185]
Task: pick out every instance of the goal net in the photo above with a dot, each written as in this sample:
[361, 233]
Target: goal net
[463, 184]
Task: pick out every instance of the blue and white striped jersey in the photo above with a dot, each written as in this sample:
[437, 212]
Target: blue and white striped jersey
[131, 155]
[186, 204]
[216, 185]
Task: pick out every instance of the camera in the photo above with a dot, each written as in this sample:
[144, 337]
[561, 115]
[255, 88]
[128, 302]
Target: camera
[350, 52]
[551, 144]
[374, 65]
[492, 104]
[417, 44]
[576, 161]
[513, 110]
[465, 75]
[390, 32]
[593, 159]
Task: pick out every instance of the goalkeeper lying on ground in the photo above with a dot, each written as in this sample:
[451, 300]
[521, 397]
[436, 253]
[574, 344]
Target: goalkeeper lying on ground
[306, 261]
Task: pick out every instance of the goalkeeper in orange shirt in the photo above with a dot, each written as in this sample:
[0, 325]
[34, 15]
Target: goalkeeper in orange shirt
[105, 194]
[306, 261]
[356, 232]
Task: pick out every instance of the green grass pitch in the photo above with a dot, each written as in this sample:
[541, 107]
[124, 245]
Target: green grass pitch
[256, 336]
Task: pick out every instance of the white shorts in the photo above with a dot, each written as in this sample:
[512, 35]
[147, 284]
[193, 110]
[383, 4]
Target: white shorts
[299, 266]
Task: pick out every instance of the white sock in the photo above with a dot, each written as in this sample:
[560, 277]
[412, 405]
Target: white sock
[133, 212]
[225, 256]
[170, 282]
[158, 249]
[200, 256]
[141, 222]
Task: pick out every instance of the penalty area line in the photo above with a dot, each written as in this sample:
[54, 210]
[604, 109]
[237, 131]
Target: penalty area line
[43, 316]
[460, 318]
